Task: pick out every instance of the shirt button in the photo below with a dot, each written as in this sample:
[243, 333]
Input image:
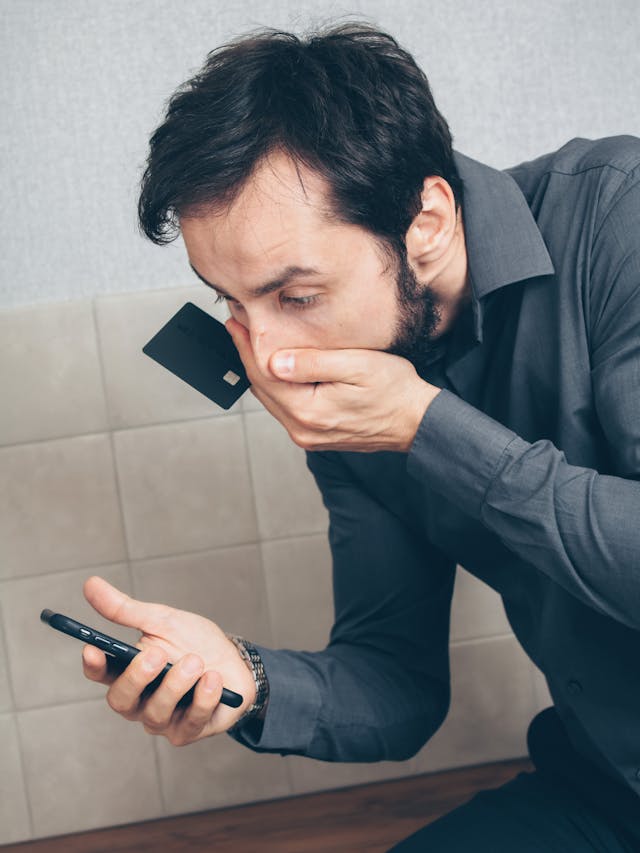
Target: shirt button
[574, 687]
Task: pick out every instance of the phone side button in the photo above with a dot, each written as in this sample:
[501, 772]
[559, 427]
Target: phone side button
[119, 647]
[102, 641]
[85, 632]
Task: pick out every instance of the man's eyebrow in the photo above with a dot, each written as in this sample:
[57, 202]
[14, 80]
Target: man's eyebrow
[275, 284]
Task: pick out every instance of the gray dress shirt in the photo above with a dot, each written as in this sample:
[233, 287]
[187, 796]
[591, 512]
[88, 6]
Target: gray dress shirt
[525, 470]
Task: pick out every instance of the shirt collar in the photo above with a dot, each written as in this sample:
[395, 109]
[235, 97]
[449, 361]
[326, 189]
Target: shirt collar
[503, 242]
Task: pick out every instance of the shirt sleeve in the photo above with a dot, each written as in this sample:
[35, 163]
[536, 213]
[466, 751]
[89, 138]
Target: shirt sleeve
[578, 526]
[381, 687]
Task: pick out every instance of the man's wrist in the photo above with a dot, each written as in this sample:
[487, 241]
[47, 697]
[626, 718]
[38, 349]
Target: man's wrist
[252, 659]
[422, 398]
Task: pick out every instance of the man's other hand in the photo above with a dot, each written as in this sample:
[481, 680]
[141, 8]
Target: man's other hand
[338, 399]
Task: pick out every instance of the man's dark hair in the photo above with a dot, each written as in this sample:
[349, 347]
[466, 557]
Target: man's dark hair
[347, 102]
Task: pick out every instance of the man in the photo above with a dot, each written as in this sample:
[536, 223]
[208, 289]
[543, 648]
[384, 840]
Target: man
[458, 350]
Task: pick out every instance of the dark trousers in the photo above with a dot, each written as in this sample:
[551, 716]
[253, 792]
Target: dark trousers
[565, 806]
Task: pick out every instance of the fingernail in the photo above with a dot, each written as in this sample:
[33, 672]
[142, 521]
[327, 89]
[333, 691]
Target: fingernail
[191, 665]
[283, 363]
[152, 659]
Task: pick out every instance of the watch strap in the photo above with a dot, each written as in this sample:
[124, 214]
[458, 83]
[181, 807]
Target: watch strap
[251, 657]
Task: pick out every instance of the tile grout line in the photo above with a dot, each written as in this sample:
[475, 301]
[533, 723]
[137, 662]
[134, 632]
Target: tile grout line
[25, 787]
[247, 452]
[156, 761]
[5, 646]
[123, 522]
[287, 768]
[114, 461]
[133, 560]
[68, 703]
[13, 711]
[115, 429]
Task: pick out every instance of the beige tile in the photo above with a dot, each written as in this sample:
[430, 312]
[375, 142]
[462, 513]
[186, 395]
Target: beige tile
[540, 690]
[218, 772]
[287, 498]
[87, 767]
[250, 403]
[185, 487]
[226, 586]
[49, 373]
[492, 705]
[14, 812]
[299, 588]
[476, 610]
[58, 506]
[140, 391]
[309, 775]
[46, 665]
[6, 693]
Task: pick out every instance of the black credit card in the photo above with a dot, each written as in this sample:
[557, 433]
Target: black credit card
[197, 348]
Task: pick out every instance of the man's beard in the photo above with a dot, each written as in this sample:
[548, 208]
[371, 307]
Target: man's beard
[419, 315]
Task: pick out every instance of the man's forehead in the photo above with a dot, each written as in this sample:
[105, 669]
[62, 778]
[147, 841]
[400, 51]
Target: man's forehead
[281, 182]
[277, 219]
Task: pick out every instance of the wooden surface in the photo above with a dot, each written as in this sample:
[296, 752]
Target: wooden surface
[368, 818]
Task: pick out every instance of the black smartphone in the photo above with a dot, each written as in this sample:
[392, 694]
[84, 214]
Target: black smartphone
[120, 654]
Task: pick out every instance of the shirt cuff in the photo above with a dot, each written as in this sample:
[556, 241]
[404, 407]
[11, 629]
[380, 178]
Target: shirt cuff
[292, 709]
[457, 451]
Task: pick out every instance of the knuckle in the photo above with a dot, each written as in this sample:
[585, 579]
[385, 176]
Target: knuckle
[91, 674]
[152, 721]
[302, 439]
[192, 725]
[296, 436]
[325, 423]
[115, 704]
[175, 686]
[121, 707]
[306, 421]
[176, 739]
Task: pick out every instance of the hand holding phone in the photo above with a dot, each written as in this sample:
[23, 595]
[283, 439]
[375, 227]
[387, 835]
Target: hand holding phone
[203, 658]
[122, 653]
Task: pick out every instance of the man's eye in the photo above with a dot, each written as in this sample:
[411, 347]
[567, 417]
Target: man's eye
[299, 301]
[220, 297]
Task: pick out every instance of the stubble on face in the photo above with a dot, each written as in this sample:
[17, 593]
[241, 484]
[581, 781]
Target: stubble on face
[414, 333]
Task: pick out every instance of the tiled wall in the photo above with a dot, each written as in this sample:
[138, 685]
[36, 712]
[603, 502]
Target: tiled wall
[111, 466]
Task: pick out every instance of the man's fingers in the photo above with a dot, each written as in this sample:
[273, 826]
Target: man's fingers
[350, 366]
[206, 699]
[239, 334]
[94, 665]
[118, 607]
[252, 355]
[242, 341]
[160, 706]
[124, 694]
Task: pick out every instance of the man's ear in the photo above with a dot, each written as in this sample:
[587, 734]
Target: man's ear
[430, 234]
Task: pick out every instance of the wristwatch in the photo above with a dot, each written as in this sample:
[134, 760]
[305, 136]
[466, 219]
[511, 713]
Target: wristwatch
[251, 657]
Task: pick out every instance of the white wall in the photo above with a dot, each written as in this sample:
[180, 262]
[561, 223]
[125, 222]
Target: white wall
[84, 82]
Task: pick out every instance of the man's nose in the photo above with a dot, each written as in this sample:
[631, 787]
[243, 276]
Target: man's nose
[267, 333]
[261, 346]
